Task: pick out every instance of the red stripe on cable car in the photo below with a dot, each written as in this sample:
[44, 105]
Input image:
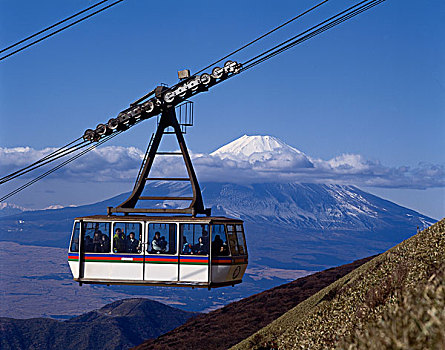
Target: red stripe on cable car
[157, 259]
[194, 260]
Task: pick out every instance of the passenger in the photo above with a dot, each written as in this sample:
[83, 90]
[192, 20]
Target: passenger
[200, 248]
[186, 246]
[132, 243]
[75, 245]
[163, 244]
[97, 239]
[119, 241]
[88, 244]
[105, 244]
[217, 246]
[225, 249]
[205, 238]
[156, 244]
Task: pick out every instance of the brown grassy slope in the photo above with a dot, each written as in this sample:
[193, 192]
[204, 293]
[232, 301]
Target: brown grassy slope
[415, 322]
[229, 325]
[351, 306]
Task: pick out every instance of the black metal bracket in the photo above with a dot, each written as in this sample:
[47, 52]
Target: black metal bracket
[168, 119]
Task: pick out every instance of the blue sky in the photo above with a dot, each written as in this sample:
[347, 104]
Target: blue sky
[373, 86]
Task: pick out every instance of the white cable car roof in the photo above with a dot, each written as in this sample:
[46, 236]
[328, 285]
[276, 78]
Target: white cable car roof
[169, 218]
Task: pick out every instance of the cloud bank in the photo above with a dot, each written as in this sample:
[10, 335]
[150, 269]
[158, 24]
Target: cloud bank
[277, 163]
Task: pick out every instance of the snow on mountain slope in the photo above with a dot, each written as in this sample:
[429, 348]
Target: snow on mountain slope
[257, 149]
[311, 206]
[10, 209]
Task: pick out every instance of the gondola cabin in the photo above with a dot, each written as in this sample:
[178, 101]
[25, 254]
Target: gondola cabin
[203, 252]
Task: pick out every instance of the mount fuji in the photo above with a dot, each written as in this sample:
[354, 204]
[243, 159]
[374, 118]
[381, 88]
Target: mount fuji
[258, 149]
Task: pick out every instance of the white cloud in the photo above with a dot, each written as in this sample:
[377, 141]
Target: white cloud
[115, 163]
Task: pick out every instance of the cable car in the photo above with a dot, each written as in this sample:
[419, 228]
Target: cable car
[183, 246]
[164, 251]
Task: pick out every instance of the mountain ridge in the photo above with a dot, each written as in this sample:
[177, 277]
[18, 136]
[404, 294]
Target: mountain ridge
[119, 325]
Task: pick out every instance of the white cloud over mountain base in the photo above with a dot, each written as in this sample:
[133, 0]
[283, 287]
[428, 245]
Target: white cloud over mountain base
[249, 159]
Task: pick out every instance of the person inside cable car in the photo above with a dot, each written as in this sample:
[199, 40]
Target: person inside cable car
[186, 246]
[75, 244]
[156, 244]
[205, 237]
[225, 249]
[132, 244]
[200, 248]
[89, 247]
[119, 241]
[163, 244]
[105, 244]
[97, 240]
[217, 246]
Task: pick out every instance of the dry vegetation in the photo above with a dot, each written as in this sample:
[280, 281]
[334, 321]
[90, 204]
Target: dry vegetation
[416, 321]
[395, 301]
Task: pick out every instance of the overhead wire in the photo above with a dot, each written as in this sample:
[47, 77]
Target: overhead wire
[52, 26]
[283, 46]
[38, 178]
[92, 147]
[59, 153]
[61, 29]
[263, 36]
[311, 32]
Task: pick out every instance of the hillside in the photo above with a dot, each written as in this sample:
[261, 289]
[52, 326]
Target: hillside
[119, 325]
[385, 303]
[225, 327]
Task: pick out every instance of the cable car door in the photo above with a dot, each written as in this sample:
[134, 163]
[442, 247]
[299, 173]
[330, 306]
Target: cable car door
[194, 253]
[161, 252]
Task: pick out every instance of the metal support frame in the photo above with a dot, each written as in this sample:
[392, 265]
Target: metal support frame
[168, 119]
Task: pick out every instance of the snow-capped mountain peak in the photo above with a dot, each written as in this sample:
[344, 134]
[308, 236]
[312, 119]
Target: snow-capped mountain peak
[259, 148]
[246, 145]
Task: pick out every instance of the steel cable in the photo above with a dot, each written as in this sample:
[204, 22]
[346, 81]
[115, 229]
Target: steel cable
[309, 36]
[52, 26]
[29, 183]
[61, 152]
[61, 29]
[329, 23]
[263, 36]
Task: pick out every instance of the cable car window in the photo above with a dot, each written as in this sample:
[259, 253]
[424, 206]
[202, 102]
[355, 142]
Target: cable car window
[161, 239]
[74, 247]
[233, 242]
[97, 237]
[241, 241]
[127, 237]
[219, 241]
[195, 239]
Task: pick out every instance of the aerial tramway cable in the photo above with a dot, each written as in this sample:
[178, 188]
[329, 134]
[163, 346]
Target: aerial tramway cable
[56, 31]
[311, 32]
[43, 161]
[29, 183]
[52, 26]
[263, 36]
[262, 57]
